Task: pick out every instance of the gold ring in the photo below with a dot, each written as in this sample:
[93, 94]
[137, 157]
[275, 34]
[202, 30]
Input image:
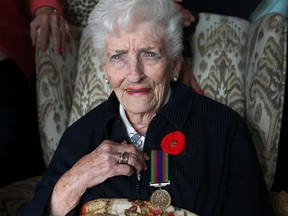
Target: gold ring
[123, 158]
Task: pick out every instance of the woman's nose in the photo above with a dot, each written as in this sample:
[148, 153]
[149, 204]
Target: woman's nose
[136, 71]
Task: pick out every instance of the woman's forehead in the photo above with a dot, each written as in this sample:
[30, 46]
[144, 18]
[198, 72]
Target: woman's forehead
[143, 35]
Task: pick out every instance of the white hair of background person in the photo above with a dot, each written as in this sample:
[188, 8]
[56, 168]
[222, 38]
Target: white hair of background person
[110, 15]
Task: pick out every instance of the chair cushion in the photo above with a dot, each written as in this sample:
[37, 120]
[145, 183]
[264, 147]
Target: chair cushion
[16, 195]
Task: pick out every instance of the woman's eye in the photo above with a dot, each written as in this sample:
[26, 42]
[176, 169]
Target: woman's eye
[116, 57]
[150, 54]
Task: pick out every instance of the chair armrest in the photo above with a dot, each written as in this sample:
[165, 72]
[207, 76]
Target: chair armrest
[16, 195]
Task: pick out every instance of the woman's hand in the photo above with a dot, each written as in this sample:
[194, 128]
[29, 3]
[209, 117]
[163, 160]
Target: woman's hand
[49, 21]
[93, 169]
[188, 18]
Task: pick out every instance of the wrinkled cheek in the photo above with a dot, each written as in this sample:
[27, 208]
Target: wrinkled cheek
[160, 91]
[115, 83]
[119, 93]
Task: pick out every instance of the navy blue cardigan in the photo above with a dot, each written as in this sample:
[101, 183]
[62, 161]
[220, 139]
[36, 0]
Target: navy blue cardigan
[217, 174]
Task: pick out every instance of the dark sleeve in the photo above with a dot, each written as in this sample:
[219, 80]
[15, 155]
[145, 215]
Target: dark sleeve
[247, 193]
[192, 6]
[239, 8]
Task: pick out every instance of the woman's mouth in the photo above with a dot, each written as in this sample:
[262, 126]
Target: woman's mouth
[133, 91]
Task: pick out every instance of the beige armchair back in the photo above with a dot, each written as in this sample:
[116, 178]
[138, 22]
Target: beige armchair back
[243, 65]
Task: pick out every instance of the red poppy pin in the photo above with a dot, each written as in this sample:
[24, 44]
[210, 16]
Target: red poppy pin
[173, 143]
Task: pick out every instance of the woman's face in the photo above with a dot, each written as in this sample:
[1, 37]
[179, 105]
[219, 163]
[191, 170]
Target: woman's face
[139, 70]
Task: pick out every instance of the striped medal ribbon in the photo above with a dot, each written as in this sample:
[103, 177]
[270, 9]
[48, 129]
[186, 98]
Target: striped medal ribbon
[160, 199]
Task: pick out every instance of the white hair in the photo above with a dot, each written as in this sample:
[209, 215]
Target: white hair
[111, 15]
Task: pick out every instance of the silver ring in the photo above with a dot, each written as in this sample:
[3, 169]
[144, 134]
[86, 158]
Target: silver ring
[123, 158]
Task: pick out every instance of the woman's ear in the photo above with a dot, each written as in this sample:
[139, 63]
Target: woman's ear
[177, 65]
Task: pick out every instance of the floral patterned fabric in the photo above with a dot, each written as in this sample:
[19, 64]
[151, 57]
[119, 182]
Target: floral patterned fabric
[265, 75]
[124, 207]
[218, 58]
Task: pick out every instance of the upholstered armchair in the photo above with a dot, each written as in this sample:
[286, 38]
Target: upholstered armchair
[237, 63]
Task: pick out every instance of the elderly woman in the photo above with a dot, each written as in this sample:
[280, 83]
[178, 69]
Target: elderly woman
[153, 139]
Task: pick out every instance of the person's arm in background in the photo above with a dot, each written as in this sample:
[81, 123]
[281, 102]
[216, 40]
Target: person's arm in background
[188, 9]
[48, 18]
